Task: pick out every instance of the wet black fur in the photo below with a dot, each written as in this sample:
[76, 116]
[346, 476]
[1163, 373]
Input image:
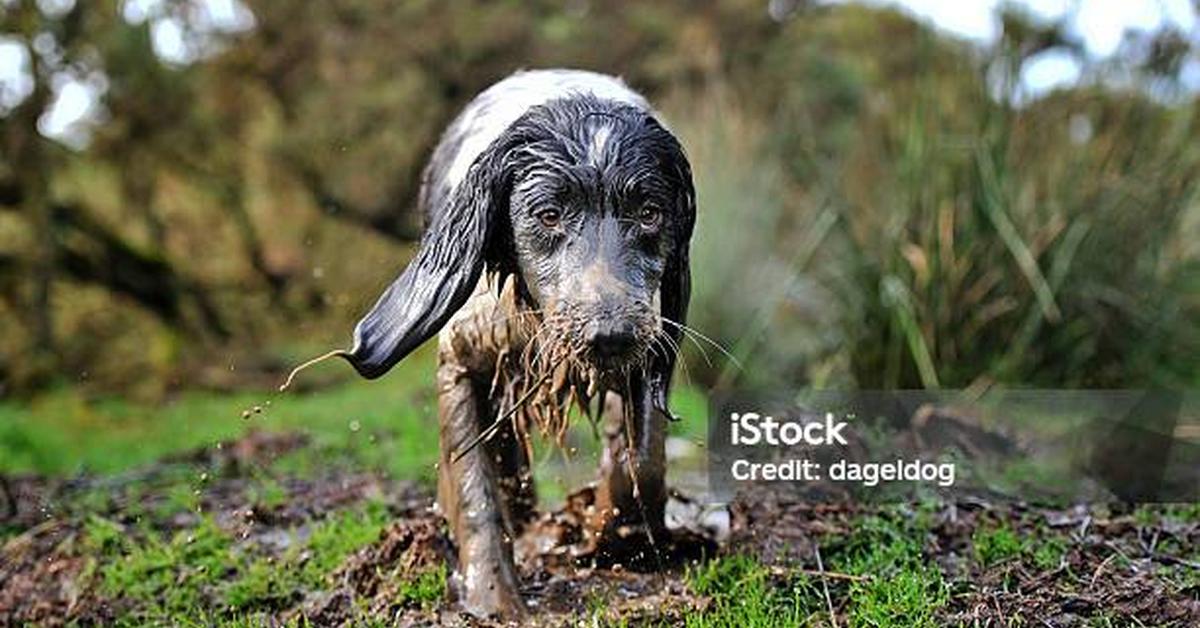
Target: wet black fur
[545, 160]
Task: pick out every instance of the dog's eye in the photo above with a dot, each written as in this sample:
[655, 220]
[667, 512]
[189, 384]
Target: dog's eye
[649, 216]
[550, 217]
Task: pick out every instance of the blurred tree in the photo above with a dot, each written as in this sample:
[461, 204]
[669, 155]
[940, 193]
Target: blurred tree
[233, 183]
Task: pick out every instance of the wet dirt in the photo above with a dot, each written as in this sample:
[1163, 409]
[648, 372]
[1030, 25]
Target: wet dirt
[1114, 564]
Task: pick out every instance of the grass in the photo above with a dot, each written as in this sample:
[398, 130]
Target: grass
[190, 572]
[993, 544]
[947, 238]
[744, 593]
[997, 545]
[892, 583]
[202, 575]
[387, 425]
[167, 576]
[425, 589]
[901, 587]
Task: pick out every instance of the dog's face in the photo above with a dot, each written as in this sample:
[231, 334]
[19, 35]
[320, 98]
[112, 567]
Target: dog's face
[595, 213]
[591, 204]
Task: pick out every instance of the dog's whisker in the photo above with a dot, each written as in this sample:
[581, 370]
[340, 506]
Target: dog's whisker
[700, 348]
[693, 332]
[662, 337]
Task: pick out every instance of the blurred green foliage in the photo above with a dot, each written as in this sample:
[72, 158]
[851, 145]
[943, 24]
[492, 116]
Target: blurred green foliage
[879, 206]
[376, 426]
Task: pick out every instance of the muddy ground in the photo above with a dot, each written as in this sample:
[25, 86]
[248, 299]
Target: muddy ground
[1109, 565]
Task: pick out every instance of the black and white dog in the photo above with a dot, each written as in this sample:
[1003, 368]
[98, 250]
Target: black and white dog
[554, 265]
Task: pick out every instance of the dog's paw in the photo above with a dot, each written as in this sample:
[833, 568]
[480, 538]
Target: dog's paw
[488, 594]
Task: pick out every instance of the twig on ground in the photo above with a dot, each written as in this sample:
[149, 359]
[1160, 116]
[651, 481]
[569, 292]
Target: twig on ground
[825, 586]
[1099, 569]
[1174, 560]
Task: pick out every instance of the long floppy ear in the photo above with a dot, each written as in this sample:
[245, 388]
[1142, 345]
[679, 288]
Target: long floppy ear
[676, 288]
[441, 277]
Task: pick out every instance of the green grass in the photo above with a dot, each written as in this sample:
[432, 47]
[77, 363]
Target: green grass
[894, 584]
[425, 589]
[744, 593]
[900, 586]
[166, 576]
[388, 425]
[191, 572]
[331, 540]
[996, 544]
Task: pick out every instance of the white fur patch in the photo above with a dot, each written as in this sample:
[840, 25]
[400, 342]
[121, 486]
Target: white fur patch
[596, 146]
[497, 107]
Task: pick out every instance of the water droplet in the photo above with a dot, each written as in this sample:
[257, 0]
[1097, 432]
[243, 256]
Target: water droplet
[355, 426]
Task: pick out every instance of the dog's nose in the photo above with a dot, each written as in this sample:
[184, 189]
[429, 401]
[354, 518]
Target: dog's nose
[610, 339]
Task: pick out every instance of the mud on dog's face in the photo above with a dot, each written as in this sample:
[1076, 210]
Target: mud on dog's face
[596, 208]
[590, 203]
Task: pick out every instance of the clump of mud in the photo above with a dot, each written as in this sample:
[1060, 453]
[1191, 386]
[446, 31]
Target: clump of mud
[369, 582]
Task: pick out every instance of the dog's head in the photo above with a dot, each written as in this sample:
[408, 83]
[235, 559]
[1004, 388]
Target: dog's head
[590, 203]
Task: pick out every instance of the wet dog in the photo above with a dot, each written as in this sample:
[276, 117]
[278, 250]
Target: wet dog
[554, 264]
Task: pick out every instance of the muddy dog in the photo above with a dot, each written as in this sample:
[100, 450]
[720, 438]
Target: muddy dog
[558, 212]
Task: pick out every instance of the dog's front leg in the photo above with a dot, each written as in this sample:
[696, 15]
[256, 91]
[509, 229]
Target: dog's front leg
[485, 581]
[632, 489]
